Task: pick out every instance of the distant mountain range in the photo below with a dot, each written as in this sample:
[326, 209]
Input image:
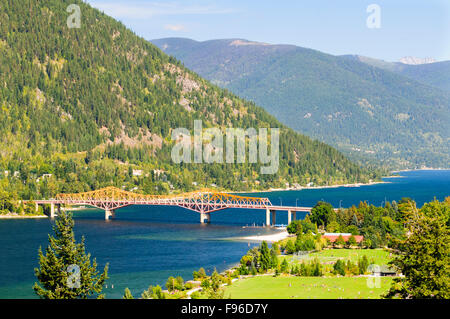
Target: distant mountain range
[393, 114]
[436, 74]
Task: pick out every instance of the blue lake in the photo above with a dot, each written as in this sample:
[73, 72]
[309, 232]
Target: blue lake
[146, 245]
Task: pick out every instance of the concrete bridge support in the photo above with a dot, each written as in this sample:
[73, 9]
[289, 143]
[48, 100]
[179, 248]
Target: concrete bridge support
[205, 218]
[52, 210]
[109, 214]
[274, 217]
[291, 216]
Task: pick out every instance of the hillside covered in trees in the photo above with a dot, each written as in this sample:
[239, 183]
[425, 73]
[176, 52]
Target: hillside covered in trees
[82, 108]
[373, 112]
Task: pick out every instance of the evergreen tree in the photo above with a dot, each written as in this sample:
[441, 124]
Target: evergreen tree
[284, 266]
[202, 272]
[171, 283]
[339, 267]
[65, 270]
[290, 247]
[158, 293]
[363, 264]
[147, 294]
[424, 257]
[214, 291]
[264, 258]
[127, 294]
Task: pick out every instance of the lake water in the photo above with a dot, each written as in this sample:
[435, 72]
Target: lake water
[146, 245]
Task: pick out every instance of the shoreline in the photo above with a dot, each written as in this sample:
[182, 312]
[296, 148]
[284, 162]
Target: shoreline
[420, 169]
[311, 187]
[272, 238]
[11, 216]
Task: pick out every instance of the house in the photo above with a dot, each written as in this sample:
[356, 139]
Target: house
[382, 270]
[332, 237]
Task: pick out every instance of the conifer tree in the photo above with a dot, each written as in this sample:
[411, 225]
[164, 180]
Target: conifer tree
[265, 258]
[65, 270]
[423, 258]
[127, 294]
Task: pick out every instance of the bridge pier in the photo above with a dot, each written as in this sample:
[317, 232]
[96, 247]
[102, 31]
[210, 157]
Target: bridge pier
[52, 210]
[109, 214]
[205, 216]
[274, 217]
[291, 216]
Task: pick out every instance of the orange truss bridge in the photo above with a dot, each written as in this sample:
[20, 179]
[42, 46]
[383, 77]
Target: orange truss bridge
[203, 202]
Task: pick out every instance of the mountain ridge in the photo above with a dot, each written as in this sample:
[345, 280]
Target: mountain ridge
[372, 114]
[436, 74]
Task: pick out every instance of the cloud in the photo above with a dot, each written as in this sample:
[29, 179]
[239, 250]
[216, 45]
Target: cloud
[175, 27]
[143, 9]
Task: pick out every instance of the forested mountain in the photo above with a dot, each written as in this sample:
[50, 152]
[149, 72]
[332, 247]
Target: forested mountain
[435, 74]
[369, 112]
[82, 108]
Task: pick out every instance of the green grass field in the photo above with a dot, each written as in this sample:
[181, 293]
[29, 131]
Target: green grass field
[377, 256]
[287, 287]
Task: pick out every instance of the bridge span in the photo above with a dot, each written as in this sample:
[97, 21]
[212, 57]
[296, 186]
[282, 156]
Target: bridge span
[203, 202]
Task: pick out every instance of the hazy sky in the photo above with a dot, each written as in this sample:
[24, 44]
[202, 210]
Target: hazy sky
[419, 28]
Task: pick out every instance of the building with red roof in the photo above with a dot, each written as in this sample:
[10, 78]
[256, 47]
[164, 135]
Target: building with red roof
[332, 237]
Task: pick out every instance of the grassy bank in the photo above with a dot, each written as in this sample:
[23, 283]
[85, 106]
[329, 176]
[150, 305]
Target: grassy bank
[292, 287]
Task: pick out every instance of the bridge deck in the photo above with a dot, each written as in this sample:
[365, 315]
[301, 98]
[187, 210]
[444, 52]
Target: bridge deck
[110, 199]
[167, 203]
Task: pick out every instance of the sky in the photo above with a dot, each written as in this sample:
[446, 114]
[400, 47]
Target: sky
[383, 29]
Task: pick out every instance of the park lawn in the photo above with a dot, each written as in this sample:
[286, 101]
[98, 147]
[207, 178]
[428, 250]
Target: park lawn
[376, 256]
[293, 287]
